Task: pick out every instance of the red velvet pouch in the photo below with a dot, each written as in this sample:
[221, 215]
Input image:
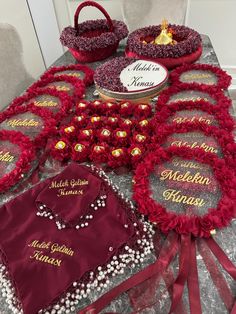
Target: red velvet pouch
[44, 261]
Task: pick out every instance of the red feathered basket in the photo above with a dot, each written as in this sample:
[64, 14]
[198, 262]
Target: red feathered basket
[93, 40]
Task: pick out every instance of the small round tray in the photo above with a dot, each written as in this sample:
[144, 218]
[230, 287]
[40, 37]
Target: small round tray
[130, 79]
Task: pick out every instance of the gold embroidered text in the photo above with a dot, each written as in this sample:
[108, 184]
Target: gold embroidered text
[25, 122]
[177, 197]
[184, 177]
[6, 156]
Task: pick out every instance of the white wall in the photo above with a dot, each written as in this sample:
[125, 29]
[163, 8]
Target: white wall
[16, 13]
[44, 17]
[216, 18]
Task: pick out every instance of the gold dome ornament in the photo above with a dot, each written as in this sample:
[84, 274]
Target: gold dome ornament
[117, 152]
[105, 132]
[82, 105]
[79, 147]
[136, 151]
[87, 132]
[112, 119]
[143, 122]
[165, 37]
[143, 107]
[99, 148]
[69, 129]
[95, 119]
[60, 145]
[97, 103]
[125, 105]
[121, 134]
[127, 122]
[80, 118]
[110, 105]
[140, 138]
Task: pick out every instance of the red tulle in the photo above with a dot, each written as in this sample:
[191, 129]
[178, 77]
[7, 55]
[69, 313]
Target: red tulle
[222, 116]
[88, 72]
[49, 128]
[221, 101]
[167, 220]
[23, 162]
[223, 79]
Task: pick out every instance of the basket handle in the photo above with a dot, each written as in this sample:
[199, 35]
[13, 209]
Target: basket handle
[99, 7]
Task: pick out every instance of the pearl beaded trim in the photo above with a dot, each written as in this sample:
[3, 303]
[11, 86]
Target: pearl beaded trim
[99, 280]
[84, 220]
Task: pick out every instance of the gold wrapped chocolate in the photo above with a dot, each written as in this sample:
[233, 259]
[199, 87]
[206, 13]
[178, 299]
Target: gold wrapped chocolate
[99, 148]
[112, 119]
[87, 132]
[106, 132]
[60, 145]
[127, 122]
[110, 104]
[121, 133]
[79, 118]
[69, 129]
[95, 119]
[117, 152]
[143, 122]
[140, 138]
[125, 105]
[82, 105]
[136, 151]
[97, 103]
[79, 148]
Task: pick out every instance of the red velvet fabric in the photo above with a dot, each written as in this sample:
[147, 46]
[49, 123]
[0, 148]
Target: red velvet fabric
[170, 63]
[25, 238]
[92, 56]
[68, 207]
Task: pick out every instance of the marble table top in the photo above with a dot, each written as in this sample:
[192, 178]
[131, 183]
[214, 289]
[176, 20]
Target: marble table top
[211, 301]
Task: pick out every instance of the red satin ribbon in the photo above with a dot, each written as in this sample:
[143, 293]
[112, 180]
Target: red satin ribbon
[193, 283]
[145, 295]
[180, 281]
[222, 257]
[216, 276]
[166, 256]
[187, 272]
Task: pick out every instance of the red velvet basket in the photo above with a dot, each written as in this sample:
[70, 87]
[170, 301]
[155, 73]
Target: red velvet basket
[93, 40]
[187, 50]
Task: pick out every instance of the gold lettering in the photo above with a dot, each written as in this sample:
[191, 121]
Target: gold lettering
[192, 76]
[25, 122]
[77, 74]
[39, 256]
[64, 192]
[195, 145]
[186, 164]
[6, 156]
[175, 196]
[186, 177]
[61, 184]
[40, 245]
[45, 103]
[75, 182]
[190, 99]
[61, 88]
[61, 249]
[192, 119]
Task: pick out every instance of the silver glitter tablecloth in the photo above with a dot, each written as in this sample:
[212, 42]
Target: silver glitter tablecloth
[211, 302]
